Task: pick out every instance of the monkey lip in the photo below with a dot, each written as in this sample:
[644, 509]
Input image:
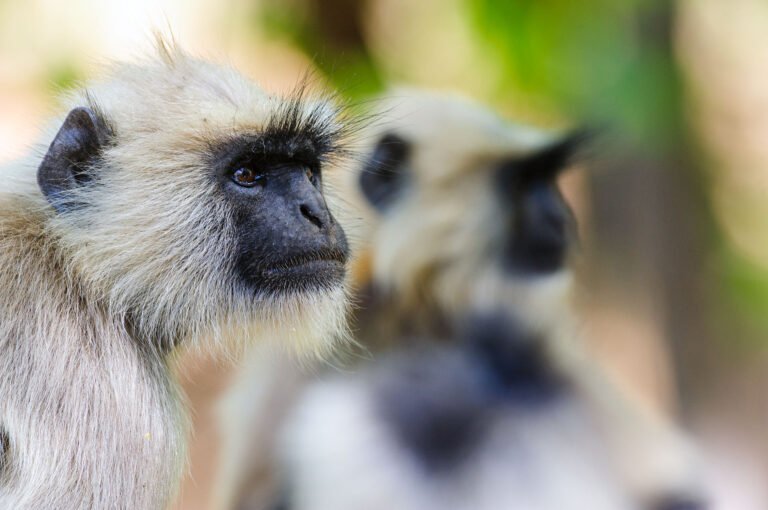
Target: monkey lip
[302, 272]
[320, 265]
[310, 265]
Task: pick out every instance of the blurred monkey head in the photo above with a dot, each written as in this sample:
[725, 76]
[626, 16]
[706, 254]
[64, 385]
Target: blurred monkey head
[463, 208]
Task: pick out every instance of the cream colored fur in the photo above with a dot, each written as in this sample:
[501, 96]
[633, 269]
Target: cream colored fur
[92, 299]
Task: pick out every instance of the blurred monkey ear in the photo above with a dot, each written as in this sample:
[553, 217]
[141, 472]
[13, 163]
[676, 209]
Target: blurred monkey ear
[546, 164]
[66, 164]
[384, 175]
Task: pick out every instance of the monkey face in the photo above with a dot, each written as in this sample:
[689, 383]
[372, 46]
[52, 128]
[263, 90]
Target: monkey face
[287, 239]
[194, 203]
[463, 204]
[538, 237]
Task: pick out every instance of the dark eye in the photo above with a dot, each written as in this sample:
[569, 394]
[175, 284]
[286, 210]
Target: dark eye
[312, 175]
[247, 177]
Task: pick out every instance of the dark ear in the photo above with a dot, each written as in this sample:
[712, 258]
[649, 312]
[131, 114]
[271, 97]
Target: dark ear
[65, 166]
[547, 163]
[384, 174]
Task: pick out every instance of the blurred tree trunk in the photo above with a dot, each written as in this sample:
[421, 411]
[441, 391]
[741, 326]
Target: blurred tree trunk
[652, 220]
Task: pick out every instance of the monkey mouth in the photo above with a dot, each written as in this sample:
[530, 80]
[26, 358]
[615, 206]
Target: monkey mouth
[300, 272]
[308, 266]
[330, 257]
[316, 269]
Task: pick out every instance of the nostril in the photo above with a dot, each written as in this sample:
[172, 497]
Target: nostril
[307, 213]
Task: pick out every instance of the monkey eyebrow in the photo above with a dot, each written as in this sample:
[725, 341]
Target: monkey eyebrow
[274, 142]
[264, 149]
[277, 144]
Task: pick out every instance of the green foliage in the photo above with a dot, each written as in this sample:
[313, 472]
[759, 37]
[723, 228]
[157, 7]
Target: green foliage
[334, 42]
[746, 286]
[604, 59]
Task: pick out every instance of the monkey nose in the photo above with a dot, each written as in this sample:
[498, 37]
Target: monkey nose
[312, 215]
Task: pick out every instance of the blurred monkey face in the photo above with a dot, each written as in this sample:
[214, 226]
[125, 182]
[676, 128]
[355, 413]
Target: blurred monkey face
[462, 201]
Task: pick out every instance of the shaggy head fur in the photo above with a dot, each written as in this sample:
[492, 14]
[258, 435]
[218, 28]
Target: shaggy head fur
[153, 234]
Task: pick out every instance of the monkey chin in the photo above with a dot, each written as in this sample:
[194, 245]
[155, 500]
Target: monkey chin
[303, 315]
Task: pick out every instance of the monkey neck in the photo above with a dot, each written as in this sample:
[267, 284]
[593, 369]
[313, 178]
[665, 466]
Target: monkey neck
[90, 418]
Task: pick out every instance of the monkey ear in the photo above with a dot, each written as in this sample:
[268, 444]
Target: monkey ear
[65, 165]
[384, 174]
[547, 163]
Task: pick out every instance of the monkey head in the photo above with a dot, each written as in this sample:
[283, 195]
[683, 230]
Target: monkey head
[194, 203]
[463, 208]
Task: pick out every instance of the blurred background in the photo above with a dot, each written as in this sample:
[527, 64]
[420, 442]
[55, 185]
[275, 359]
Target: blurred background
[673, 272]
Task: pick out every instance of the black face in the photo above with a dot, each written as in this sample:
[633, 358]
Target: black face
[287, 239]
[538, 235]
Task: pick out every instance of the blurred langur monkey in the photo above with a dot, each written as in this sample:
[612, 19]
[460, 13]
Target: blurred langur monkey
[464, 241]
[176, 205]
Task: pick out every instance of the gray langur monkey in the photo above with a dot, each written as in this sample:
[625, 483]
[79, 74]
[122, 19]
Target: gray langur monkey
[176, 205]
[461, 218]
